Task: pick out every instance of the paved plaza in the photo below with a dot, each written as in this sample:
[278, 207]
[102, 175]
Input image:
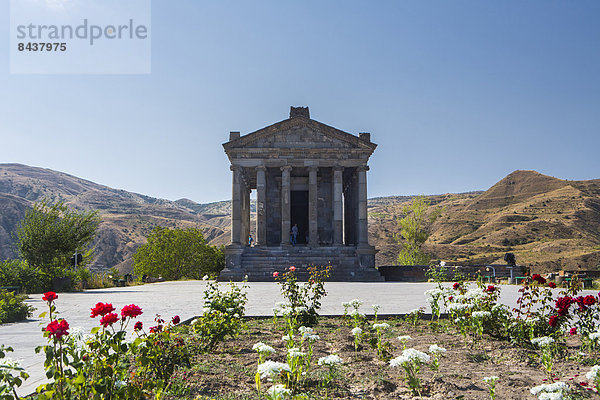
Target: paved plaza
[186, 300]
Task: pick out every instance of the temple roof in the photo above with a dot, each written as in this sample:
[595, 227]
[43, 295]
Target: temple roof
[298, 134]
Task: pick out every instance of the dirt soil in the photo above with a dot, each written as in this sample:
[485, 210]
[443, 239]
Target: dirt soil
[228, 372]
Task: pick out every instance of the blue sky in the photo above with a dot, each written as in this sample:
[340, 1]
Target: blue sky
[456, 94]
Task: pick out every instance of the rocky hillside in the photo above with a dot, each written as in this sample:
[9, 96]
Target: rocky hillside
[547, 222]
[126, 217]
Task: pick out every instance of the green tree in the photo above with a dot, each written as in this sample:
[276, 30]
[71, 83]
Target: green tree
[177, 253]
[50, 234]
[415, 228]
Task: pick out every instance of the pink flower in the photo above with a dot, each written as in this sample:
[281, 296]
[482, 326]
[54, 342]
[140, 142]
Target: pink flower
[275, 274]
[176, 320]
[573, 331]
[292, 268]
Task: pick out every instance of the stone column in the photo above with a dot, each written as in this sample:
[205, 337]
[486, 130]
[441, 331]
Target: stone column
[363, 232]
[313, 224]
[245, 214]
[337, 206]
[285, 205]
[236, 212]
[261, 216]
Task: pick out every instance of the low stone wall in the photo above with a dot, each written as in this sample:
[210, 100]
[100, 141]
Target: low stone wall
[416, 273]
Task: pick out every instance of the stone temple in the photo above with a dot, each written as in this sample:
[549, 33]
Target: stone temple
[307, 174]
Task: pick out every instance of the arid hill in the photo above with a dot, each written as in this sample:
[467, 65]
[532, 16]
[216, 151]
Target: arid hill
[547, 222]
[126, 217]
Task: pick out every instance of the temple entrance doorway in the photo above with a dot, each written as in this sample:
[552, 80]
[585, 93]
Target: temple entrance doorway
[299, 214]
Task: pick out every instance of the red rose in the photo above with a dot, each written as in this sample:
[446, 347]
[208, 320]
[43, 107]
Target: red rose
[538, 278]
[491, 288]
[552, 285]
[50, 297]
[275, 274]
[176, 320]
[573, 331]
[138, 326]
[292, 268]
[589, 300]
[562, 305]
[553, 321]
[102, 309]
[58, 328]
[131, 311]
[450, 298]
[456, 285]
[109, 319]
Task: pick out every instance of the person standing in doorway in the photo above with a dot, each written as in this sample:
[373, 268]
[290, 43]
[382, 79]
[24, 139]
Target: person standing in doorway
[294, 234]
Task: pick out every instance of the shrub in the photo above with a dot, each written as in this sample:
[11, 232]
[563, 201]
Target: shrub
[20, 273]
[222, 316]
[304, 298]
[13, 308]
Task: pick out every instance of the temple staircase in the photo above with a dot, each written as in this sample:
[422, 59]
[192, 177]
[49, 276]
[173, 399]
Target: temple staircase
[259, 263]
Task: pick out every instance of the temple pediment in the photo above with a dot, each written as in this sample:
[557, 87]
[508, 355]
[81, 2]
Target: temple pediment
[298, 134]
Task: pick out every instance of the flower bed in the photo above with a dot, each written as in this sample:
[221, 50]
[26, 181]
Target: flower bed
[546, 348]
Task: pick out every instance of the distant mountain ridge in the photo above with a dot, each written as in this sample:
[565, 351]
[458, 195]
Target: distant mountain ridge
[545, 221]
[126, 217]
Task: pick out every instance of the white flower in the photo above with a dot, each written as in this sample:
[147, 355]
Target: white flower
[492, 379]
[300, 309]
[542, 341]
[475, 294]
[434, 292]
[205, 278]
[404, 338]
[551, 396]
[457, 307]
[382, 325]
[278, 391]
[305, 329]
[434, 348]
[195, 321]
[376, 307]
[442, 263]
[356, 331]
[311, 338]
[408, 356]
[263, 348]
[271, 368]
[481, 314]
[120, 384]
[355, 312]
[236, 315]
[287, 337]
[330, 360]
[549, 388]
[593, 373]
[295, 352]
[355, 303]
[594, 335]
